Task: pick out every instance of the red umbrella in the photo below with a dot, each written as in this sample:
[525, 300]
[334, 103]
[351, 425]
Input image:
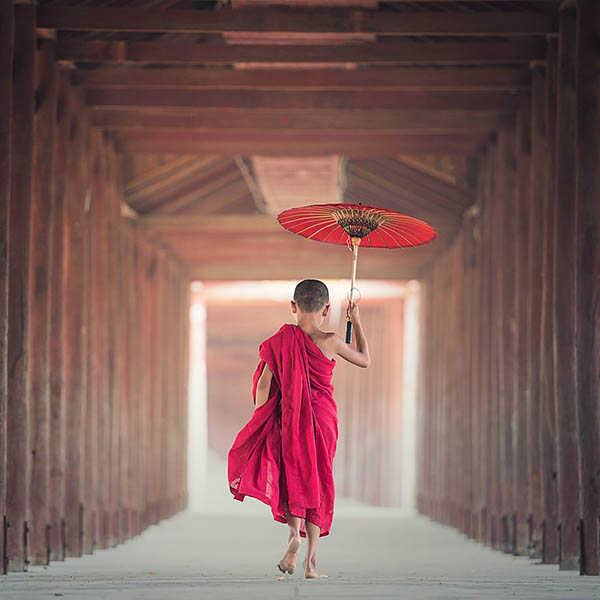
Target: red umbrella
[353, 225]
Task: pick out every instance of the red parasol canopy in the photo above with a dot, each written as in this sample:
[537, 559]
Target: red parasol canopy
[340, 223]
[355, 225]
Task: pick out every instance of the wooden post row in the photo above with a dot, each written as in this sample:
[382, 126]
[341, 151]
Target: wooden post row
[79, 409]
[528, 286]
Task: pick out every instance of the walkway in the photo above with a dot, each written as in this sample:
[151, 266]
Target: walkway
[370, 556]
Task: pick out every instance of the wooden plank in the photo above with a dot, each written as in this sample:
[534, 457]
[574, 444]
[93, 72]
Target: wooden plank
[374, 79]
[263, 121]
[6, 76]
[300, 100]
[39, 299]
[393, 53]
[18, 458]
[588, 272]
[564, 299]
[290, 20]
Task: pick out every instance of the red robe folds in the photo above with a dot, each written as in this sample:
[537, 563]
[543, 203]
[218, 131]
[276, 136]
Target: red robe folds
[285, 452]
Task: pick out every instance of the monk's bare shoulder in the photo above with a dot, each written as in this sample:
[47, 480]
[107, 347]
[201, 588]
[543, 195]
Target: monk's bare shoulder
[332, 341]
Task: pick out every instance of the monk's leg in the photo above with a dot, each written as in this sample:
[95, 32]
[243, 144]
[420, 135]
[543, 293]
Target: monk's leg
[310, 562]
[293, 523]
[287, 564]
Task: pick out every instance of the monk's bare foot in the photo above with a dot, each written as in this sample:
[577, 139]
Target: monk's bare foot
[287, 564]
[310, 570]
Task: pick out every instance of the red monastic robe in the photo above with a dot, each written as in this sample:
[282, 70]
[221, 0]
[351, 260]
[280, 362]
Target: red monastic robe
[285, 452]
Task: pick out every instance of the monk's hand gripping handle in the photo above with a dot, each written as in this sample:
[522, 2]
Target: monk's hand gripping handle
[348, 332]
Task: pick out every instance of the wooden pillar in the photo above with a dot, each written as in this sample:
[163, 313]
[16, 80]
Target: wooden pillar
[162, 373]
[75, 363]
[536, 204]
[564, 298]
[114, 212]
[184, 364]
[18, 444]
[487, 344]
[103, 381]
[57, 389]
[136, 462]
[508, 344]
[588, 275]
[472, 320]
[146, 446]
[95, 357]
[6, 76]
[39, 300]
[521, 481]
[547, 427]
[126, 416]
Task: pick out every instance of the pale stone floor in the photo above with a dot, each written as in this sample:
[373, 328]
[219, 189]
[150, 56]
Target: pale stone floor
[217, 556]
[230, 550]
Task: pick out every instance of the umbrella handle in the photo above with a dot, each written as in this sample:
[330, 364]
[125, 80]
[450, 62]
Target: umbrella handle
[348, 332]
[355, 245]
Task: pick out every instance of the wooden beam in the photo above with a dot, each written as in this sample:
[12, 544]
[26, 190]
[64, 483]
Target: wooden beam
[225, 256]
[394, 175]
[194, 191]
[301, 100]
[393, 53]
[261, 121]
[290, 20]
[203, 223]
[374, 79]
[283, 144]
[167, 176]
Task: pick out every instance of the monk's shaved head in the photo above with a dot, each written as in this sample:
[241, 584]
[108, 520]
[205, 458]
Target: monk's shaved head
[311, 295]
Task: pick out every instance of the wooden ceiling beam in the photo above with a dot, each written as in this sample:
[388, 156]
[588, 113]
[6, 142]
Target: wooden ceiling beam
[193, 183]
[374, 79]
[224, 254]
[241, 99]
[394, 53]
[261, 121]
[284, 144]
[193, 194]
[395, 175]
[384, 179]
[295, 21]
[157, 180]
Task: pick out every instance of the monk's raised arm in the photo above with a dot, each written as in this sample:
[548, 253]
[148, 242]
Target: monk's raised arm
[358, 356]
[263, 386]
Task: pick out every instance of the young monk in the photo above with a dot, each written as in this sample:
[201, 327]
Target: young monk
[284, 454]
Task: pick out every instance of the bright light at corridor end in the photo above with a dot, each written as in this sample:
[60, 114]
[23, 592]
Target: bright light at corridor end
[201, 472]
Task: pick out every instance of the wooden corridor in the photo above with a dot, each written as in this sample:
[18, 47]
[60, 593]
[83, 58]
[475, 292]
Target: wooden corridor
[145, 144]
